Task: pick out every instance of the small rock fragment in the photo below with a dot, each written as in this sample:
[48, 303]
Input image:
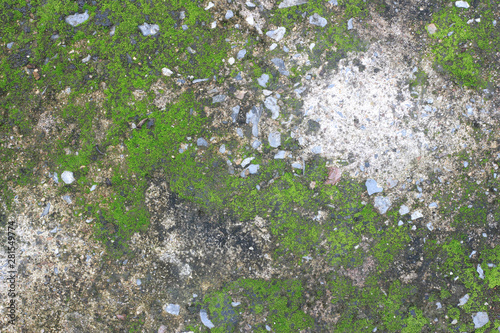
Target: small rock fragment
[205, 320]
[210, 5]
[297, 165]
[162, 329]
[247, 161]
[46, 210]
[86, 59]
[350, 25]
[9, 45]
[236, 111]
[230, 61]
[403, 210]
[291, 3]
[431, 28]
[391, 183]
[334, 175]
[166, 72]
[77, 19]
[316, 149]
[463, 300]
[229, 14]
[262, 80]
[201, 142]
[480, 271]
[234, 304]
[372, 187]
[121, 317]
[429, 226]
[218, 99]
[277, 34]
[279, 155]
[317, 20]
[112, 31]
[433, 205]
[241, 54]
[67, 177]
[256, 144]
[271, 103]
[416, 215]
[281, 66]
[462, 4]
[253, 168]
[382, 204]
[149, 29]
[67, 198]
[173, 309]
[480, 319]
[274, 139]
[222, 149]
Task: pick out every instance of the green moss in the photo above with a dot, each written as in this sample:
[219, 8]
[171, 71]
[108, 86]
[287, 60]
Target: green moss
[466, 50]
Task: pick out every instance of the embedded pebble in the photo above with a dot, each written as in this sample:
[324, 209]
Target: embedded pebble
[241, 54]
[438, 305]
[149, 29]
[205, 320]
[230, 61]
[234, 304]
[253, 168]
[173, 309]
[280, 63]
[46, 210]
[433, 205]
[480, 319]
[274, 139]
[391, 183]
[262, 80]
[432, 29]
[112, 31]
[239, 131]
[400, 223]
[317, 20]
[166, 72]
[162, 329]
[350, 25]
[462, 4]
[403, 210]
[316, 149]
[229, 14]
[201, 142]
[222, 149]
[67, 198]
[236, 111]
[271, 104]
[93, 188]
[277, 34]
[429, 226]
[256, 144]
[210, 5]
[463, 300]
[291, 3]
[279, 155]
[77, 19]
[67, 177]
[247, 161]
[416, 215]
[480, 271]
[138, 281]
[86, 59]
[382, 204]
[218, 99]
[9, 45]
[372, 187]
[297, 165]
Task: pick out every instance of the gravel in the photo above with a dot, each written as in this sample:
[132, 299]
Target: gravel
[462, 4]
[247, 161]
[274, 139]
[256, 144]
[279, 155]
[291, 3]
[218, 99]
[46, 210]
[205, 320]
[416, 215]
[262, 80]
[480, 319]
[271, 104]
[277, 34]
[253, 117]
[173, 309]
[236, 111]
[372, 187]
[480, 271]
[382, 204]
[77, 19]
[280, 63]
[350, 25]
[222, 149]
[463, 300]
[67, 198]
[67, 177]
[253, 168]
[317, 20]
[241, 54]
[229, 14]
[166, 72]
[149, 29]
[403, 210]
[201, 142]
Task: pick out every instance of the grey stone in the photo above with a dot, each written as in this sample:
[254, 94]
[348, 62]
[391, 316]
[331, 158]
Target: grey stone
[53, 231]
[372, 187]
[317, 20]
[271, 103]
[416, 215]
[222, 149]
[391, 183]
[463, 300]
[138, 281]
[86, 59]
[253, 168]
[462, 4]
[149, 29]
[279, 155]
[241, 54]
[281, 66]
[112, 31]
[297, 165]
[239, 131]
[93, 188]
[291, 3]
[46, 210]
[229, 14]
[182, 15]
[54, 37]
[199, 80]
[316, 150]
[350, 25]
[277, 34]
[480, 271]
[77, 19]
[173, 309]
[67, 177]
[247, 161]
[236, 111]
[218, 99]
[480, 319]
[403, 210]
[429, 226]
[253, 117]
[205, 320]
[438, 305]
[256, 144]
[235, 304]
[382, 204]
[262, 80]
[433, 205]
[55, 178]
[333, 2]
[67, 198]
[201, 142]
[184, 27]
[190, 50]
[274, 139]
[9, 45]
